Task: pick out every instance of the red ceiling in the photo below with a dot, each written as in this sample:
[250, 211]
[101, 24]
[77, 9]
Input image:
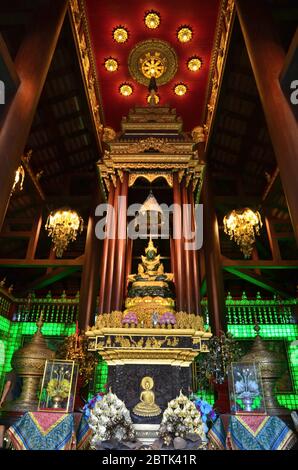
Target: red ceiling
[105, 15]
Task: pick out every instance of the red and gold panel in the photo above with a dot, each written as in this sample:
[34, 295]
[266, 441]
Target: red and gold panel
[104, 16]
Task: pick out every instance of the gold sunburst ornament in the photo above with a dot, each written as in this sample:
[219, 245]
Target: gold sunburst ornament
[111, 64]
[63, 226]
[184, 33]
[242, 226]
[152, 19]
[180, 89]
[194, 64]
[120, 34]
[125, 89]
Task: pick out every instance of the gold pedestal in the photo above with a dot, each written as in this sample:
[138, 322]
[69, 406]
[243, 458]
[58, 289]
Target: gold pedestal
[148, 345]
[28, 399]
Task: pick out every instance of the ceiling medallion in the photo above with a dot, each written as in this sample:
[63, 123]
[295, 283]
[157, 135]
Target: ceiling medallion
[152, 58]
[194, 63]
[184, 33]
[180, 89]
[120, 34]
[152, 19]
[111, 64]
[125, 89]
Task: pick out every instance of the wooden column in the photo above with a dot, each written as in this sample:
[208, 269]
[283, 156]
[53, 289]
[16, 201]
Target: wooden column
[105, 254]
[32, 63]
[194, 258]
[128, 263]
[110, 277]
[118, 284]
[91, 268]
[187, 265]
[211, 246]
[267, 58]
[32, 245]
[177, 229]
[273, 241]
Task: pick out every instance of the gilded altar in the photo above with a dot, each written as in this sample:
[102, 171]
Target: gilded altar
[149, 330]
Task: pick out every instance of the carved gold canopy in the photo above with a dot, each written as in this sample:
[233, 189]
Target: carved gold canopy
[151, 146]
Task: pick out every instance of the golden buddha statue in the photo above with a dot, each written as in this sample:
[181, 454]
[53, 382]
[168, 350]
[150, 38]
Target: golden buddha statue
[147, 405]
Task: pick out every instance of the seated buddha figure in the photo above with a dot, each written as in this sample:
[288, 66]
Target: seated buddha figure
[151, 269]
[150, 289]
[147, 405]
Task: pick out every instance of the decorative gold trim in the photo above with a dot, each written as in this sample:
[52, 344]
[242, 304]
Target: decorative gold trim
[167, 57]
[179, 357]
[219, 54]
[109, 331]
[151, 126]
[79, 22]
[152, 143]
[150, 177]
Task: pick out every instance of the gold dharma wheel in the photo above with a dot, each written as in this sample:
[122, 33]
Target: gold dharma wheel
[152, 65]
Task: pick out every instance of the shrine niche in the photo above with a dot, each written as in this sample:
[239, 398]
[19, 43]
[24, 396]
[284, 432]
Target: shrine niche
[149, 321]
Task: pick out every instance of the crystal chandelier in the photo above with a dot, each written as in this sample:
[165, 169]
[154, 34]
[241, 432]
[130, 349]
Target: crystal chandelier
[63, 226]
[242, 225]
[19, 179]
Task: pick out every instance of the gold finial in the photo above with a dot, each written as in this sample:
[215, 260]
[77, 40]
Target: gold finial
[39, 322]
[151, 247]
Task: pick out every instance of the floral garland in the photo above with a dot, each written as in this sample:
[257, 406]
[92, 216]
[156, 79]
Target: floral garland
[109, 419]
[181, 419]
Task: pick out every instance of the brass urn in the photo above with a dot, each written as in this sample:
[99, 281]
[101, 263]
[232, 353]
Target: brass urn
[271, 367]
[28, 362]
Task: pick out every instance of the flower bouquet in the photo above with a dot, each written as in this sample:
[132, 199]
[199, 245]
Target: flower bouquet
[206, 411]
[181, 419]
[167, 319]
[109, 420]
[58, 390]
[130, 319]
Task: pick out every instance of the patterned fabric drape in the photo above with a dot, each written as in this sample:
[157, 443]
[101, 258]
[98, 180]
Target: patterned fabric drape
[247, 432]
[49, 431]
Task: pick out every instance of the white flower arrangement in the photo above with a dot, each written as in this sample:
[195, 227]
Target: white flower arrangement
[180, 419]
[110, 419]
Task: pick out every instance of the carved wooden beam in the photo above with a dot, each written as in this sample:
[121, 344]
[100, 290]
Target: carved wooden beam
[259, 281]
[260, 264]
[50, 278]
[41, 263]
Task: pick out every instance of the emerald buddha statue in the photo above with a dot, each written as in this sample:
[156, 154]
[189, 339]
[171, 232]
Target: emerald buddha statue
[150, 289]
[151, 278]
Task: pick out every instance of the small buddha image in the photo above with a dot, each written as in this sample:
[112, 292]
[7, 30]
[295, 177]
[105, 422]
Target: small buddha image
[147, 405]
